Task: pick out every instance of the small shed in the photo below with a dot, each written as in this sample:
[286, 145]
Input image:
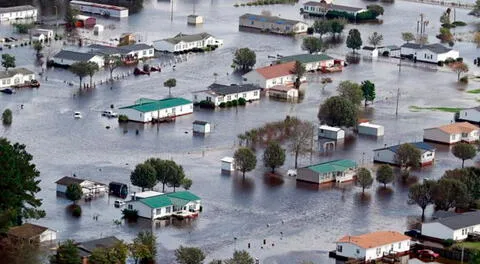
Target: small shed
[98, 28]
[85, 21]
[194, 20]
[370, 51]
[32, 233]
[118, 189]
[202, 127]
[329, 132]
[370, 129]
[228, 164]
[283, 92]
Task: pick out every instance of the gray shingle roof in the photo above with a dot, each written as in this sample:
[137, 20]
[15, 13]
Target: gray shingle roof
[461, 221]
[335, 7]
[16, 8]
[436, 48]
[67, 180]
[89, 246]
[74, 55]
[187, 38]
[12, 72]
[109, 50]
[222, 89]
[270, 19]
[199, 122]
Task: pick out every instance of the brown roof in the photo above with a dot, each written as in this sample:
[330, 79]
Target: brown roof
[457, 128]
[67, 180]
[374, 239]
[27, 231]
[277, 70]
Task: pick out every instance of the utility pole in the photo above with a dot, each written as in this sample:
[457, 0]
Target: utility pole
[398, 99]
[171, 11]
[56, 19]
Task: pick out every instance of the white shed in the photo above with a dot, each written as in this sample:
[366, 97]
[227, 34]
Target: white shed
[201, 127]
[370, 129]
[331, 132]
[194, 20]
[98, 28]
[228, 164]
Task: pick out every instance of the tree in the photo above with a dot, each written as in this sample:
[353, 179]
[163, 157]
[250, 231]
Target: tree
[69, 18]
[377, 10]
[469, 176]
[163, 168]
[421, 195]
[449, 193]
[445, 34]
[169, 84]
[445, 18]
[7, 117]
[67, 253]
[114, 255]
[354, 40]
[408, 36]
[274, 156]
[245, 160]
[189, 255]
[364, 179]
[351, 91]
[187, 183]
[475, 256]
[8, 61]
[19, 251]
[92, 68]
[138, 251]
[464, 151]
[177, 177]
[301, 139]
[338, 111]
[80, 69]
[368, 90]
[74, 192]
[19, 185]
[459, 67]
[244, 59]
[375, 39]
[37, 46]
[240, 257]
[144, 176]
[407, 156]
[322, 27]
[385, 175]
[144, 247]
[112, 63]
[337, 25]
[299, 71]
[312, 44]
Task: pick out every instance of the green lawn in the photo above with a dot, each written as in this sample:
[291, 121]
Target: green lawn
[471, 245]
[414, 108]
[476, 91]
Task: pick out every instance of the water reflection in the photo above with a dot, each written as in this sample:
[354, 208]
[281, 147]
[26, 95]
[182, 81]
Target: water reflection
[272, 180]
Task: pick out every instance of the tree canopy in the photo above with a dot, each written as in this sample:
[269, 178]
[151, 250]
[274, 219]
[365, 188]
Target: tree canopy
[312, 44]
[421, 195]
[354, 40]
[67, 253]
[144, 176]
[464, 151]
[37, 46]
[274, 156]
[470, 176]
[368, 91]
[112, 63]
[189, 255]
[74, 192]
[364, 179]
[115, 255]
[299, 71]
[7, 117]
[377, 10]
[144, 247]
[245, 160]
[81, 69]
[351, 91]
[92, 68]
[170, 83]
[375, 39]
[301, 139]
[338, 111]
[244, 59]
[459, 67]
[385, 174]
[8, 61]
[450, 193]
[240, 257]
[408, 156]
[408, 36]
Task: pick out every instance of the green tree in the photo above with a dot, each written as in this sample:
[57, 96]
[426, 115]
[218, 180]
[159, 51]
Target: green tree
[92, 68]
[19, 184]
[338, 111]
[364, 179]
[464, 151]
[177, 176]
[368, 90]
[407, 156]
[299, 71]
[69, 18]
[240, 257]
[37, 46]
[187, 183]
[445, 34]
[147, 243]
[445, 18]
[244, 59]
[470, 176]
[163, 168]
[351, 91]
[144, 176]
[312, 44]
[459, 68]
[8, 61]
[80, 69]
[377, 10]
[7, 117]
[301, 139]
[450, 193]
[139, 251]
[274, 156]
[169, 84]
[375, 39]
[322, 27]
[67, 253]
[408, 36]
[475, 256]
[421, 195]
[189, 255]
[99, 256]
[112, 63]
[338, 25]
[245, 160]
[74, 192]
[385, 175]
[354, 40]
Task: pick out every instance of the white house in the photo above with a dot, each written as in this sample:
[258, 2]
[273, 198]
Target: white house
[228, 164]
[452, 133]
[15, 76]
[32, 233]
[38, 34]
[471, 115]
[330, 171]
[184, 42]
[313, 62]
[370, 129]
[372, 245]
[99, 9]
[371, 52]
[329, 132]
[220, 93]
[182, 203]
[18, 12]
[392, 50]
[320, 8]
[387, 154]
[68, 57]
[147, 110]
[453, 227]
[278, 74]
[428, 52]
[132, 51]
[272, 24]
[201, 127]
[282, 92]
[88, 187]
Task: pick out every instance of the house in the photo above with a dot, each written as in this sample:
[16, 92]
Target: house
[147, 110]
[389, 51]
[228, 164]
[278, 74]
[126, 52]
[321, 8]
[183, 42]
[370, 129]
[32, 233]
[220, 93]
[313, 62]
[387, 154]
[471, 115]
[372, 245]
[66, 58]
[272, 24]
[371, 52]
[86, 248]
[432, 53]
[201, 127]
[38, 34]
[330, 171]
[456, 227]
[182, 203]
[15, 76]
[18, 12]
[99, 9]
[329, 132]
[452, 133]
[282, 92]
[194, 20]
[88, 187]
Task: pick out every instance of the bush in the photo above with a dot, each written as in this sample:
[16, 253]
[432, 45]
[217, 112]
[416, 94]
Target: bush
[449, 60]
[386, 53]
[122, 118]
[236, 5]
[207, 104]
[130, 215]
[464, 79]
[440, 63]
[459, 59]
[448, 242]
[7, 117]
[229, 104]
[310, 30]
[222, 105]
[234, 102]
[242, 101]
[459, 23]
[76, 210]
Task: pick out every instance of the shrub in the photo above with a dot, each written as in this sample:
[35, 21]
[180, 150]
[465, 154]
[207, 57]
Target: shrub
[222, 105]
[207, 104]
[440, 63]
[122, 118]
[76, 210]
[229, 104]
[386, 53]
[464, 79]
[310, 30]
[459, 59]
[7, 117]
[236, 5]
[459, 23]
[234, 102]
[130, 215]
[242, 101]
[449, 60]
[448, 242]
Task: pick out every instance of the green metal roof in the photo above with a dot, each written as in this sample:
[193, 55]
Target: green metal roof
[175, 198]
[333, 166]
[149, 105]
[305, 58]
[184, 195]
[157, 201]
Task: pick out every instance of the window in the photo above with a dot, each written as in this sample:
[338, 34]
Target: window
[255, 93]
[358, 251]
[158, 211]
[339, 248]
[144, 52]
[229, 98]
[379, 251]
[251, 22]
[321, 131]
[400, 245]
[464, 134]
[244, 95]
[168, 209]
[195, 97]
[130, 207]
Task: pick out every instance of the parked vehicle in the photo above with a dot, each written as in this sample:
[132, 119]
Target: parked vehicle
[77, 115]
[118, 203]
[155, 69]
[138, 71]
[7, 91]
[292, 173]
[28, 84]
[428, 254]
[109, 113]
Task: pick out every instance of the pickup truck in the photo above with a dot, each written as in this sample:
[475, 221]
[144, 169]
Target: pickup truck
[109, 113]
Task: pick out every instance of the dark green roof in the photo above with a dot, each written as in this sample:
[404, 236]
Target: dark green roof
[149, 105]
[157, 201]
[305, 58]
[333, 166]
[184, 195]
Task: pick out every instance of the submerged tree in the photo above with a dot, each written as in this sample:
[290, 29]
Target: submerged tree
[312, 44]
[464, 151]
[408, 36]
[407, 156]
[421, 195]
[299, 71]
[338, 111]
[301, 139]
[245, 160]
[170, 83]
[354, 40]
[144, 176]
[112, 63]
[8, 61]
[244, 59]
[189, 255]
[385, 174]
[351, 91]
[274, 156]
[375, 39]
[368, 90]
[80, 69]
[364, 179]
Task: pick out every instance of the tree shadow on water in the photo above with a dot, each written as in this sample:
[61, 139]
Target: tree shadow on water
[272, 179]
[362, 199]
[242, 185]
[384, 194]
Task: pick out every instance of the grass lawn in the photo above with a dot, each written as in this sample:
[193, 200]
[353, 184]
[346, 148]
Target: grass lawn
[471, 245]
[414, 108]
[476, 91]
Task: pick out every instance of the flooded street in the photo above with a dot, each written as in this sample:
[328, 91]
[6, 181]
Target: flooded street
[301, 220]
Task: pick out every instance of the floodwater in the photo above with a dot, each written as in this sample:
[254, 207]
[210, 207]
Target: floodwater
[299, 221]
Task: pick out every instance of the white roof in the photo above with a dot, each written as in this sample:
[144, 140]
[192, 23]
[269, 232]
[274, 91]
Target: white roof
[336, 129]
[82, 17]
[147, 194]
[367, 124]
[227, 159]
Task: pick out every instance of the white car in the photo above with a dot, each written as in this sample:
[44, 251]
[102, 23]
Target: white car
[109, 113]
[77, 115]
[118, 203]
[292, 173]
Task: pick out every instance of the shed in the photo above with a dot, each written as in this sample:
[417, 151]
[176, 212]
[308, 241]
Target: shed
[370, 51]
[194, 20]
[32, 233]
[370, 129]
[118, 189]
[202, 127]
[98, 28]
[329, 132]
[228, 164]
